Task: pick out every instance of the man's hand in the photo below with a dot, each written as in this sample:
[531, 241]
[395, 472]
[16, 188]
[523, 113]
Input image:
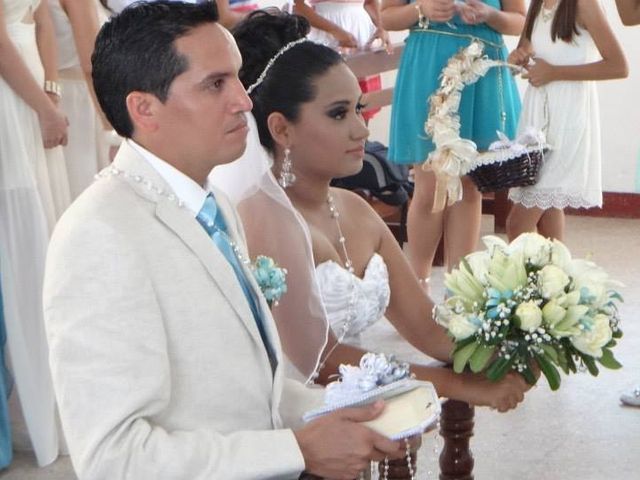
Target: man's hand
[539, 73]
[338, 446]
[438, 10]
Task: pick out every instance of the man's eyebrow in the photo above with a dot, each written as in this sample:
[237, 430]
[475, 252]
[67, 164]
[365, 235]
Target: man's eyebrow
[213, 76]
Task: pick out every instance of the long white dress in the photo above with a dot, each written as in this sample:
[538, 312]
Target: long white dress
[348, 15]
[87, 152]
[24, 233]
[571, 173]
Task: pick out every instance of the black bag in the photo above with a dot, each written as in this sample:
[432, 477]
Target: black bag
[383, 179]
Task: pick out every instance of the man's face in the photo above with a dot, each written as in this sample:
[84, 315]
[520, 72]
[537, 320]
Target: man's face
[204, 115]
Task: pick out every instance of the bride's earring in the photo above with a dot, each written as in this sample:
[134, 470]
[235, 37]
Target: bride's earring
[287, 178]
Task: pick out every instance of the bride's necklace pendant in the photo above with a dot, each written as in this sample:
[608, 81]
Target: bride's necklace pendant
[548, 13]
[351, 308]
[333, 211]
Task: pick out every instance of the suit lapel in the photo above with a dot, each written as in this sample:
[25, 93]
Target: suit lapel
[232, 228]
[149, 184]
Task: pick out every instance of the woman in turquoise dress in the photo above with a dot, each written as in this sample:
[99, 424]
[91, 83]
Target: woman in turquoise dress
[438, 30]
[6, 454]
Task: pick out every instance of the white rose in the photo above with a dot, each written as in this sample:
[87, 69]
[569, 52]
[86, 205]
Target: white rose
[461, 327]
[529, 316]
[492, 243]
[534, 248]
[479, 263]
[552, 281]
[552, 313]
[591, 340]
[461, 283]
[591, 280]
[506, 273]
[560, 254]
[568, 326]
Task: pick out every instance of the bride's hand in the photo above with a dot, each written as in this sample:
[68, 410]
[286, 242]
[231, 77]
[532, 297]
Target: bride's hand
[502, 396]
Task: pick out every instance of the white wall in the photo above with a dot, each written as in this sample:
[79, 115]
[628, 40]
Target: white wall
[619, 106]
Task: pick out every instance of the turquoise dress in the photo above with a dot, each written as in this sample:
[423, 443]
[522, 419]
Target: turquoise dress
[425, 54]
[5, 389]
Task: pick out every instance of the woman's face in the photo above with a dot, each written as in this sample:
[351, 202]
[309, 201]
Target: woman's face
[328, 138]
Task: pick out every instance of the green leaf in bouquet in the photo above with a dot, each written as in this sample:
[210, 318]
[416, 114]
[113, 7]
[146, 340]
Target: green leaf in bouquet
[462, 356]
[500, 367]
[550, 371]
[528, 375]
[562, 360]
[612, 343]
[607, 360]
[590, 363]
[550, 352]
[617, 333]
[481, 357]
[571, 362]
[616, 296]
[463, 343]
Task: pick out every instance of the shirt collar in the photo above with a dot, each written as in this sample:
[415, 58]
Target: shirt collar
[184, 187]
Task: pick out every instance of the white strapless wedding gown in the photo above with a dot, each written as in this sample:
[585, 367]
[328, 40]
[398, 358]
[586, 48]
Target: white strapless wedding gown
[344, 293]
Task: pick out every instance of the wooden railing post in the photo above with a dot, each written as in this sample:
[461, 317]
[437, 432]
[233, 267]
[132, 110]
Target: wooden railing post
[456, 428]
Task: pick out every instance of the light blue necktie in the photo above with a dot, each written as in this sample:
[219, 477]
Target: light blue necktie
[213, 223]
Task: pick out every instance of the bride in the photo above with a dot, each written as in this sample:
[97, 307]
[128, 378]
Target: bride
[345, 268]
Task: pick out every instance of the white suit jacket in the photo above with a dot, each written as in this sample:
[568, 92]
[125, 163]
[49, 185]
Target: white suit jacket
[158, 365]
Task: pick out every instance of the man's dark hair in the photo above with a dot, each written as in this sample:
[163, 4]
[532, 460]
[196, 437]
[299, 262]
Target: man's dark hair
[135, 51]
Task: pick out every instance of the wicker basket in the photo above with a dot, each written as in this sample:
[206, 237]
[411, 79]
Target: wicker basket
[507, 163]
[520, 171]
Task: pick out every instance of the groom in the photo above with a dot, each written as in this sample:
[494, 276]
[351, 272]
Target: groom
[165, 358]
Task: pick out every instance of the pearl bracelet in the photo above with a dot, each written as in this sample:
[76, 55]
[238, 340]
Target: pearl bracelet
[53, 87]
[423, 21]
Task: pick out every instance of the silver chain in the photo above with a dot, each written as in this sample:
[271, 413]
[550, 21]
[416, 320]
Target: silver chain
[351, 313]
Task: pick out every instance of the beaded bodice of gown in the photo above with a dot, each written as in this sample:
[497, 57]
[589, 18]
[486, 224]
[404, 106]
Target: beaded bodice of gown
[346, 295]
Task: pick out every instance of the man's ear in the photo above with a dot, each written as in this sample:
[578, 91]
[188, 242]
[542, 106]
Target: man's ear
[281, 129]
[143, 109]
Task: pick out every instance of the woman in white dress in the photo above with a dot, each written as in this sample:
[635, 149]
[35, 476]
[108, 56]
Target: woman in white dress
[76, 25]
[348, 269]
[570, 46]
[29, 121]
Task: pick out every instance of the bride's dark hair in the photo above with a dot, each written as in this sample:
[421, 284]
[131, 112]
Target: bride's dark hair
[290, 80]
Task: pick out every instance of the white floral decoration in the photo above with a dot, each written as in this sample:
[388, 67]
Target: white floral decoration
[453, 156]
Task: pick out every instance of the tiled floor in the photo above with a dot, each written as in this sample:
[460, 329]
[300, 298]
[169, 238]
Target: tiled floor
[577, 433]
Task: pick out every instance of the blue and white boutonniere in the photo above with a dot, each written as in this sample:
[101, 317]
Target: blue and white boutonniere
[271, 278]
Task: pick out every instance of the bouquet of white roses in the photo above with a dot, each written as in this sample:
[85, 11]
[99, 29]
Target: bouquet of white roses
[514, 306]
